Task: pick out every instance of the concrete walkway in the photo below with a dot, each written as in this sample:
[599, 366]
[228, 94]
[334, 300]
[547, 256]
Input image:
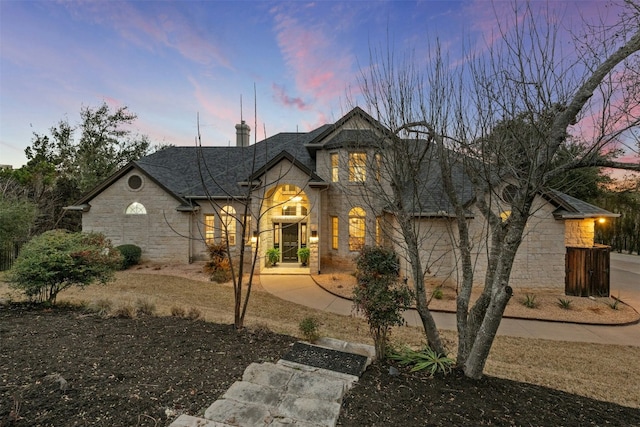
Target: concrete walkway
[301, 289]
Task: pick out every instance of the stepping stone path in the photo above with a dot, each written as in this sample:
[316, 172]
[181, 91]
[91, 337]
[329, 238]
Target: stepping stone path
[305, 388]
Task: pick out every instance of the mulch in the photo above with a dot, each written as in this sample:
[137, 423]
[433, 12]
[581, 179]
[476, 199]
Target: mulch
[65, 367]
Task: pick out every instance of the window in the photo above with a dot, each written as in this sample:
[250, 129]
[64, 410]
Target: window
[228, 220]
[134, 182]
[356, 229]
[303, 235]
[378, 160]
[136, 208]
[334, 232]
[357, 167]
[209, 230]
[248, 233]
[378, 231]
[289, 210]
[334, 167]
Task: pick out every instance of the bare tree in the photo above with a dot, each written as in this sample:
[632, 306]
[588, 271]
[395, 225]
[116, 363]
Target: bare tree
[240, 196]
[503, 116]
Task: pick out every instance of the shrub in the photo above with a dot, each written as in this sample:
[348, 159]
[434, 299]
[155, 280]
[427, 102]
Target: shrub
[218, 266]
[564, 303]
[379, 295]
[178, 311]
[58, 259]
[130, 255]
[529, 301]
[101, 307]
[145, 307]
[425, 359]
[309, 329]
[437, 293]
[124, 311]
[194, 314]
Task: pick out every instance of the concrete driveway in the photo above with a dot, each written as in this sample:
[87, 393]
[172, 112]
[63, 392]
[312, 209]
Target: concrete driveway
[625, 283]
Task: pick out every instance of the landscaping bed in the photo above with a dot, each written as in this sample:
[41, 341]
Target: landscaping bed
[66, 367]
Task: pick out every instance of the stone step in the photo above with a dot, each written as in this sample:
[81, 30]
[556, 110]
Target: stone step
[288, 393]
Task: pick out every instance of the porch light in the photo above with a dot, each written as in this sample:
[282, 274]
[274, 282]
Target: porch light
[254, 236]
[314, 236]
[601, 220]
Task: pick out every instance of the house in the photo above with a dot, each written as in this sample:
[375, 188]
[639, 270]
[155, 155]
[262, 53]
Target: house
[293, 190]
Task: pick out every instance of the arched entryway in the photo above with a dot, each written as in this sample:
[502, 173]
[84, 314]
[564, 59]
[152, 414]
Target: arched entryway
[288, 218]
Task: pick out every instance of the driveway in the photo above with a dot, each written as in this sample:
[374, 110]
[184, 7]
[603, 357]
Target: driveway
[625, 282]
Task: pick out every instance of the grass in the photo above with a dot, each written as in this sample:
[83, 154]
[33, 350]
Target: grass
[566, 366]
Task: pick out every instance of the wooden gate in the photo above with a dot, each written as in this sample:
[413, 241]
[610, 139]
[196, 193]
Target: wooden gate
[587, 271]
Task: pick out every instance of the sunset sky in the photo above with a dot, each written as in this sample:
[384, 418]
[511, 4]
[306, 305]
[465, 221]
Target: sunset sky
[169, 61]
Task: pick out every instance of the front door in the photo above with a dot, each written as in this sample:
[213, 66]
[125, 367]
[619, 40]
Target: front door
[290, 242]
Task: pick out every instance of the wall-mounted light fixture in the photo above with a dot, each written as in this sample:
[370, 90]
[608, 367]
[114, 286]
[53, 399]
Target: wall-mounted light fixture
[601, 220]
[314, 236]
[254, 236]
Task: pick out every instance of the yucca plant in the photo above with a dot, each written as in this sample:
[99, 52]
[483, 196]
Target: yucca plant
[425, 359]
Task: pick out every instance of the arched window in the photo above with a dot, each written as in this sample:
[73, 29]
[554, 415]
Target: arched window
[357, 229]
[136, 208]
[228, 223]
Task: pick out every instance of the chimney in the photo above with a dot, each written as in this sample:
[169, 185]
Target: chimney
[242, 134]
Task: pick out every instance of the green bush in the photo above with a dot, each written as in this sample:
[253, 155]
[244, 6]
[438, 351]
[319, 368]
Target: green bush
[309, 329]
[58, 259]
[130, 255]
[379, 295]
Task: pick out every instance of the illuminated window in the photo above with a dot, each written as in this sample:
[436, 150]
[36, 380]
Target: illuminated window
[209, 230]
[378, 231]
[228, 220]
[356, 229]
[334, 232]
[136, 208]
[248, 233]
[357, 167]
[504, 215]
[334, 167]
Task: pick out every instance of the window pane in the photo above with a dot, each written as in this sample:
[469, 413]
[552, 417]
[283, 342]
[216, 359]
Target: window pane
[227, 217]
[209, 230]
[136, 208]
[357, 167]
[334, 167]
[356, 229]
[334, 232]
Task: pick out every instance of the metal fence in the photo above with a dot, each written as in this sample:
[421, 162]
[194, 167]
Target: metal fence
[8, 253]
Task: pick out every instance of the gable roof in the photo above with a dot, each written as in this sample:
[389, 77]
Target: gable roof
[196, 173]
[569, 207]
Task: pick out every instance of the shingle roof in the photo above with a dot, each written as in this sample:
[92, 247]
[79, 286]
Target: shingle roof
[570, 207]
[192, 172]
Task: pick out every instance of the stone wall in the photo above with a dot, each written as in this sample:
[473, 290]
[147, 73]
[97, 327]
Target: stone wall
[158, 232]
[580, 233]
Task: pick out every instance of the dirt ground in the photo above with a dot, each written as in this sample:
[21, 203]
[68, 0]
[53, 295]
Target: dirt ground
[68, 367]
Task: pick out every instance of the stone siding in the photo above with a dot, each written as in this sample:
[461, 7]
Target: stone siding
[158, 233]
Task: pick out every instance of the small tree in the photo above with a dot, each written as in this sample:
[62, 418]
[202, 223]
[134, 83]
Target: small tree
[58, 259]
[379, 295]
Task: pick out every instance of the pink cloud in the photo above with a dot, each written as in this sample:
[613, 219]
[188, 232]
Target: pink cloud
[280, 94]
[321, 68]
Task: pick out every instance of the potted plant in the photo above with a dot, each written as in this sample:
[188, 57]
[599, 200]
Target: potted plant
[303, 255]
[273, 256]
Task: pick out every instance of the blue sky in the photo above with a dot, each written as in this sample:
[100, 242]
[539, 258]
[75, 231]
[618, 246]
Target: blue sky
[169, 61]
